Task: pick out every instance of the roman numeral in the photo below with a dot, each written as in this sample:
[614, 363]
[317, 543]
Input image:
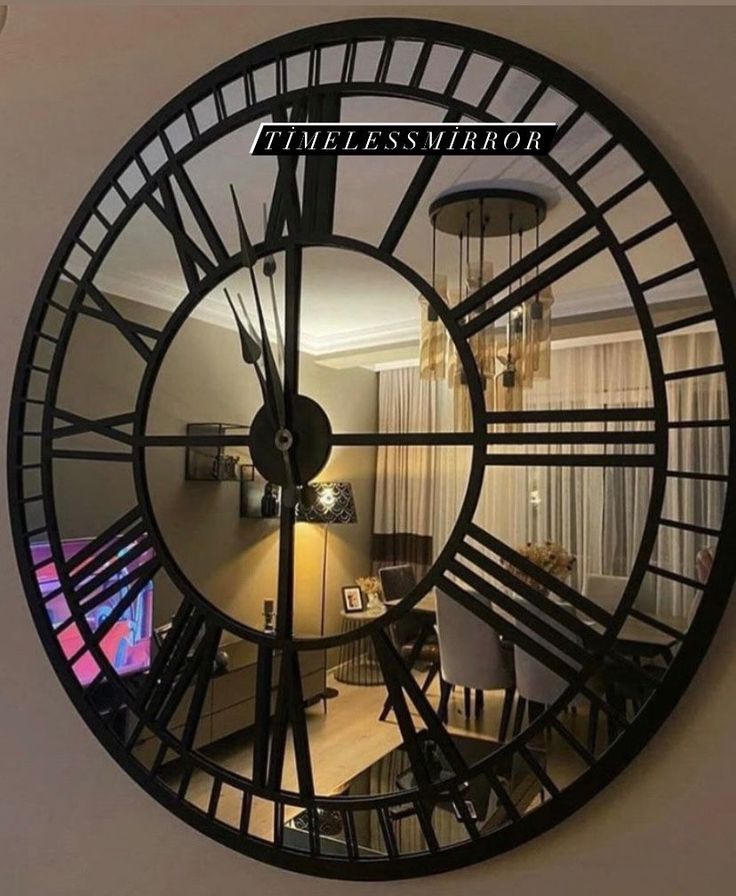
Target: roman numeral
[314, 214]
[411, 198]
[524, 266]
[285, 203]
[550, 632]
[107, 427]
[270, 731]
[131, 591]
[187, 655]
[558, 269]
[140, 336]
[585, 438]
[197, 260]
[120, 557]
[403, 692]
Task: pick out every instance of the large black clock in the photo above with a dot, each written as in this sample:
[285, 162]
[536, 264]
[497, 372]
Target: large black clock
[461, 805]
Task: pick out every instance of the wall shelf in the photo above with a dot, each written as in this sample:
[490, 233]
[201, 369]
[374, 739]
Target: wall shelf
[217, 463]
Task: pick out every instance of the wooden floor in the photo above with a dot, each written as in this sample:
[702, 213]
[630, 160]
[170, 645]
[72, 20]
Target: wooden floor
[346, 739]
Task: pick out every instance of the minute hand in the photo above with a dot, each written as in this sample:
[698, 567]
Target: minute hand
[272, 380]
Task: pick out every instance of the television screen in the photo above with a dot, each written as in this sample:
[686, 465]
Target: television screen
[127, 643]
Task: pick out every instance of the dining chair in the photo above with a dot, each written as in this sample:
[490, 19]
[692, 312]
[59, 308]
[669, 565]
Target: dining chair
[620, 687]
[537, 686]
[472, 656]
[703, 565]
[413, 634]
[397, 581]
[605, 591]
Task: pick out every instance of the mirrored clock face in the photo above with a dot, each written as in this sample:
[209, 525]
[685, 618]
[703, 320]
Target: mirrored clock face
[248, 382]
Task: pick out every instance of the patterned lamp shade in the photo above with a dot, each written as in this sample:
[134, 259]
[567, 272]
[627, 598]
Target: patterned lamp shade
[333, 503]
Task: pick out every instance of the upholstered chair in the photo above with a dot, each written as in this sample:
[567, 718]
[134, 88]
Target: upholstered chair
[473, 657]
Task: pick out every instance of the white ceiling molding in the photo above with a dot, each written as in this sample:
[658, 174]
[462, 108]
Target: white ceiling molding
[557, 345]
[608, 298]
[160, 294]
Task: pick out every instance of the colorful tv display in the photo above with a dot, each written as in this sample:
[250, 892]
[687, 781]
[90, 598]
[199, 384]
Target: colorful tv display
[127, 644]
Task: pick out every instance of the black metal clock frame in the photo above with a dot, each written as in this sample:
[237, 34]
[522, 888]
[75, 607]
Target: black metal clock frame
[35, 448]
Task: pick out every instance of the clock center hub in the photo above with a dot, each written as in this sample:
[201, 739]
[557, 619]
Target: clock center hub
[283, 439]
[307, 441]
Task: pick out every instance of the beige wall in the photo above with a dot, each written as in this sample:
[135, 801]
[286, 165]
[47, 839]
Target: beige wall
[74, 83]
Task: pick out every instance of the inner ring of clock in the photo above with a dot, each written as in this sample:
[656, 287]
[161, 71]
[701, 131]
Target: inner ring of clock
[295, 438]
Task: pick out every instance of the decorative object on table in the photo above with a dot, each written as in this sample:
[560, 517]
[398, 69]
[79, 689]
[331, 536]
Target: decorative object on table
[352, 599]
[213, 455]
[550, 556]
[269, 616]
[329, 503]
[371, 588]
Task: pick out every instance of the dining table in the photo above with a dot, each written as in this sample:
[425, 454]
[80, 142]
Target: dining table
[637, 635]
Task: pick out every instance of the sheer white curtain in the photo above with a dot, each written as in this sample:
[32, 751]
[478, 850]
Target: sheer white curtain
[596, 512]
[405, 474]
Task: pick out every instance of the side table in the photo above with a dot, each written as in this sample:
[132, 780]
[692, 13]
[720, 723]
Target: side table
[356, 660]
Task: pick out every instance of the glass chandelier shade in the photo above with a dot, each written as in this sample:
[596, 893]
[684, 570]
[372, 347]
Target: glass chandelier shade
[540, 321]
[433, 339]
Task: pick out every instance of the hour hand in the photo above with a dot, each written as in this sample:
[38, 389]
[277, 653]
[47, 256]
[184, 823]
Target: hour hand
[250, 347]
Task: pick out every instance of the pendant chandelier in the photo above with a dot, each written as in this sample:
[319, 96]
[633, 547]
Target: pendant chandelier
[509, 357]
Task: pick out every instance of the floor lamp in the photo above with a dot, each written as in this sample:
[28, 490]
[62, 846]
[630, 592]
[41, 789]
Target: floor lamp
[331, 503]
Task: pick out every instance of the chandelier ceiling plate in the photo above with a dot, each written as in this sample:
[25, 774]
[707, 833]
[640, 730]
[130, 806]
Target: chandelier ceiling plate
[458, 211]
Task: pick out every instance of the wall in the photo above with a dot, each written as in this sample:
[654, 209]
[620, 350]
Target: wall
[74, 83]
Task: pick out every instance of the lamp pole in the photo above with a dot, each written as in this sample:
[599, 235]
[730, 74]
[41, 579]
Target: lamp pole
[328, 692]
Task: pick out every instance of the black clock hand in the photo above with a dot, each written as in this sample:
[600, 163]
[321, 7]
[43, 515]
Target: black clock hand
[249, 347]
[251, 351]
[269, 269]
[283, 437]
[290, 496]
[273, 388]
[272, 379]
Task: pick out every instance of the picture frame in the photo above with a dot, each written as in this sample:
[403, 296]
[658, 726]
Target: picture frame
[352, 599]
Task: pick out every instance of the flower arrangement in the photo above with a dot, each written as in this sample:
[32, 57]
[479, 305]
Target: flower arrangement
[550, 556]
[371, 587]
[369, 584]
